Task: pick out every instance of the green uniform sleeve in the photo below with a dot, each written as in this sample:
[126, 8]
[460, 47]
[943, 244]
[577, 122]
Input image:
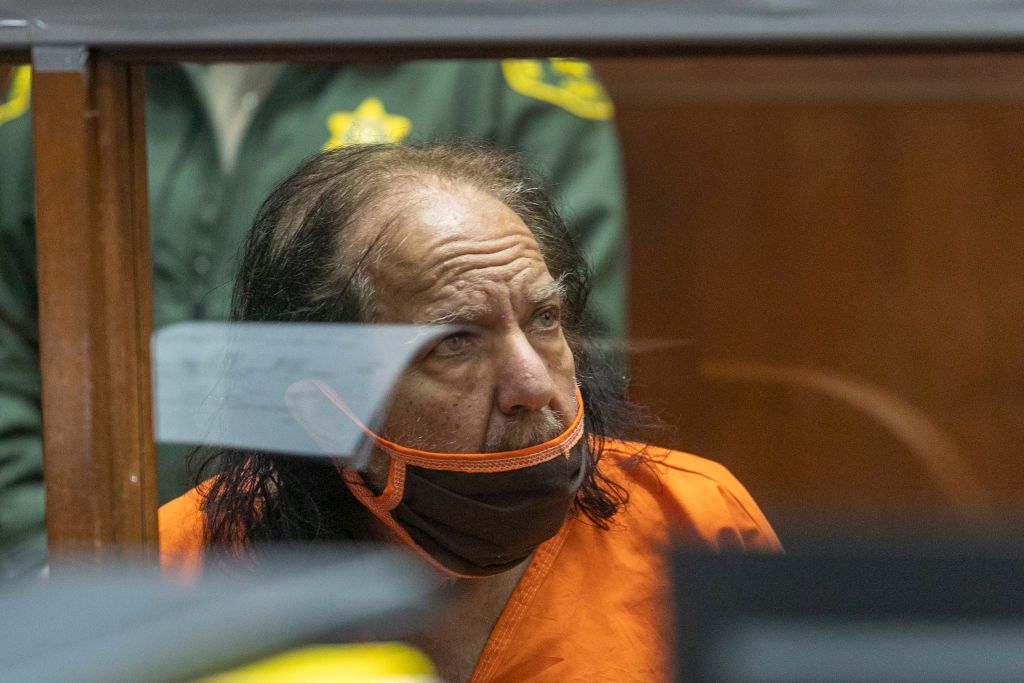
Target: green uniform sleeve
[22, 528]
[559, 118]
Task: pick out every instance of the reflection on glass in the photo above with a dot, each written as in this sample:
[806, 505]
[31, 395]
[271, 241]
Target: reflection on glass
[265, 386]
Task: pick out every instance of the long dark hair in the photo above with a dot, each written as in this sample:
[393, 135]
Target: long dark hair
[296, 266]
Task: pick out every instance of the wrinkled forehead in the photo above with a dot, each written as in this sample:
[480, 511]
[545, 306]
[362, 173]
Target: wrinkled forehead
[444, 237]
[418, 225]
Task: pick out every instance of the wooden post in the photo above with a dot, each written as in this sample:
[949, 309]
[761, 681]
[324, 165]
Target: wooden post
[95, 308]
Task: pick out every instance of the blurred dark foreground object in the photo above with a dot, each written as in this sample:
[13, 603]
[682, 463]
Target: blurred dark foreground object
[907, 610]
[129, 624]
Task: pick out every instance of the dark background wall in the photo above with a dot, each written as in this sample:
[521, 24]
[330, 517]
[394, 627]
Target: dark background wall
[837, 243]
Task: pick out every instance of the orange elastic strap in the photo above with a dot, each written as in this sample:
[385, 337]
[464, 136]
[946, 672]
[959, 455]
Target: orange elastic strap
[470, 462]
[391, 496]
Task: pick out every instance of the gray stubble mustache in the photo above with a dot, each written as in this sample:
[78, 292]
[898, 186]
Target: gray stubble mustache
[539, 427]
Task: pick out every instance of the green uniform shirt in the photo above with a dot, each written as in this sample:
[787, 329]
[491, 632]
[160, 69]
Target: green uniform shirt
[553, 112]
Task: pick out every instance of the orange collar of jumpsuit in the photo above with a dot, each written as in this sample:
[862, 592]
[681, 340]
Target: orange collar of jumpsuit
[400, 456]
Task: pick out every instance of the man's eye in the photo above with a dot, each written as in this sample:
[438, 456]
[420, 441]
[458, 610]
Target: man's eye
[547, 319]
[453, 345]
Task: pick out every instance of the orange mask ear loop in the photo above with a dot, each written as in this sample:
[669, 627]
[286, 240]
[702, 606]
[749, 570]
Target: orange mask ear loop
[470, 462]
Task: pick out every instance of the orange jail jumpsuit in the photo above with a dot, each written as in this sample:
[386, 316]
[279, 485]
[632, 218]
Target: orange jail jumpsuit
[594, 604]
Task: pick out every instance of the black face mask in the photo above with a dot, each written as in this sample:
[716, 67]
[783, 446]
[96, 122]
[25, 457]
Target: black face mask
[483, 523]
[477, 514]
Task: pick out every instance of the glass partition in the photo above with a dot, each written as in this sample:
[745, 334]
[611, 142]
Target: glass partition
[816, 283]
[826, 250]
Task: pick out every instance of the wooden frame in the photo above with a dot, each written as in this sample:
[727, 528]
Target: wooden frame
[92, 246]
[95, 315]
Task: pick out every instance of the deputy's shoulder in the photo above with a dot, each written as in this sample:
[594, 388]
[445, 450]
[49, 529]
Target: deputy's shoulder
[16, 100]
[570, 84]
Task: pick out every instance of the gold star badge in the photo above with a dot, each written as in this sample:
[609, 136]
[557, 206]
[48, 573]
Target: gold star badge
[567, 83]
[368, 124]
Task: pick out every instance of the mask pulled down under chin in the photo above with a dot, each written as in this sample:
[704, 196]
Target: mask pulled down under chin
[473, 515]
[479, 524]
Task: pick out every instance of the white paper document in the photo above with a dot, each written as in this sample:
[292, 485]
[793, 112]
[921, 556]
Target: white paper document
[260, 385]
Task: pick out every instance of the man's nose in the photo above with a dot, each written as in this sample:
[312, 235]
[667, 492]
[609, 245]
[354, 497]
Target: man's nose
[524, 381]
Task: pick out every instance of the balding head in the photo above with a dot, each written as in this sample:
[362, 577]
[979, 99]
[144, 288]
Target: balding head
[322, 231]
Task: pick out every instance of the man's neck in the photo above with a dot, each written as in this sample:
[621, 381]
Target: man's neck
[469, 608]
[456, 639]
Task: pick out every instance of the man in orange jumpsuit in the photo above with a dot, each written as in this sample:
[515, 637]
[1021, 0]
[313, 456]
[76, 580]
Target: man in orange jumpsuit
[504, 460]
